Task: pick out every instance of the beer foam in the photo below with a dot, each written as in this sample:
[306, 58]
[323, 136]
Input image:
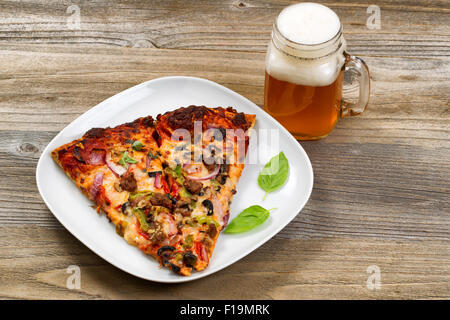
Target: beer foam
[307, 24]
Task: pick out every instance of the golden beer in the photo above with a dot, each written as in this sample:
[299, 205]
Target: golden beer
[304, 76]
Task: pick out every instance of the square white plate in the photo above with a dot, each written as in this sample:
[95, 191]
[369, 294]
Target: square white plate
[74, 211]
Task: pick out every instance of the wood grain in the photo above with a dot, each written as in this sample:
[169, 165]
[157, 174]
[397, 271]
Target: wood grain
[327, 267]
[409, 28]
[382, 180]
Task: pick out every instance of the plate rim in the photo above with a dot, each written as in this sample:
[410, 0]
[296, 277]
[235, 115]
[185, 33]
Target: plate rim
[205, 272]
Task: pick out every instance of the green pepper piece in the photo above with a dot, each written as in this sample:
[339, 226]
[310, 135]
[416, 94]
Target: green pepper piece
[188, 242]
[151, 155]
[184, 193]
[207, 220]
[135, 195]
[175, 173]
[190, 222]
[193, 205]
[126, 159]
[140, 215]
[158, 209]
[137, 145]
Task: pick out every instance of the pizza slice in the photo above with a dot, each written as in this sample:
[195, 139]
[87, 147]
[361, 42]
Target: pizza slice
[146, 179]
[203, 150]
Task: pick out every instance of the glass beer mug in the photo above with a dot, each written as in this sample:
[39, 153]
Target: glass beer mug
[308, 69]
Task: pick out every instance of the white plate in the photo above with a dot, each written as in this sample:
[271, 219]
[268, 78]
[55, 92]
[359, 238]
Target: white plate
[74, 211]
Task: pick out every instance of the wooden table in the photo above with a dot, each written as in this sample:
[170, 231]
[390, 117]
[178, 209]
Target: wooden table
[382, 180]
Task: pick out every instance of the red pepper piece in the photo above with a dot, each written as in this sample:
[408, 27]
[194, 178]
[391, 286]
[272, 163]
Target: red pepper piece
[165, 185]
[175, 190]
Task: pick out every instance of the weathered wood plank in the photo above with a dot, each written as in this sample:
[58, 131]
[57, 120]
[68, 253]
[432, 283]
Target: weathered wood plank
[319, 268]
[409, 28]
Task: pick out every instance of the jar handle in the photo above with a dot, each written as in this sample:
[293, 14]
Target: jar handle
[355, 69]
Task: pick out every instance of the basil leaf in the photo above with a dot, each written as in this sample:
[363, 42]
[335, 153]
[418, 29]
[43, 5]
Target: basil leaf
[248, 219]
[126, 159]
[274, 173]
[137, 145]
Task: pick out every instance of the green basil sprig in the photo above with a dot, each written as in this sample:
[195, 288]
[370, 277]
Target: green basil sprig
[248, 219]
[274, 174]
